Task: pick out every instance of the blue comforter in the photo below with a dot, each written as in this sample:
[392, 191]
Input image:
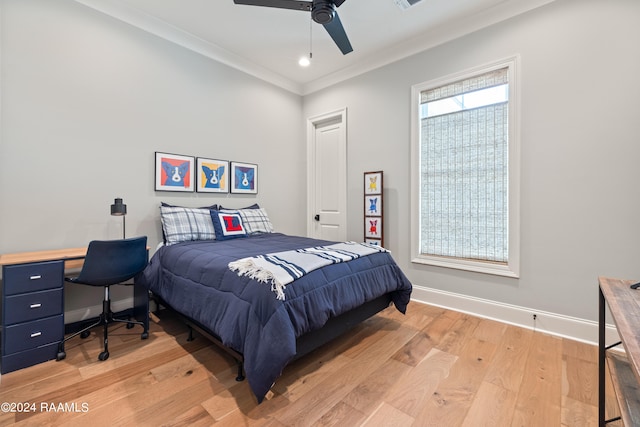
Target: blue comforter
[193, 277]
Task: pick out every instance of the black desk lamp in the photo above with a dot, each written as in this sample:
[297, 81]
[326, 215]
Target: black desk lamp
[120, 209]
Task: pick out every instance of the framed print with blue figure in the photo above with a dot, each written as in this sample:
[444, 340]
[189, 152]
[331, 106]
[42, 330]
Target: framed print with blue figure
[244, 178]
[373, 205]
[174, 172]
[212, 175]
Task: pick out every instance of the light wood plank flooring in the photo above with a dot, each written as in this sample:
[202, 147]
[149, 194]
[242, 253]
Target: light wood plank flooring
[432, 367]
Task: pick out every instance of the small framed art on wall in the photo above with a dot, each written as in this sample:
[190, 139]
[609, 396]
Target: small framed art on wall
[212, 175]
[174, 172]
[244, 178]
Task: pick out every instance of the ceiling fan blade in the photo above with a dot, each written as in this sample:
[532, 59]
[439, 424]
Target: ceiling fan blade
[338, 34]
[338, 2]
[281, 4]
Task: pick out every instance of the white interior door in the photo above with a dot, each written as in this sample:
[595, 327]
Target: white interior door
[327, 148]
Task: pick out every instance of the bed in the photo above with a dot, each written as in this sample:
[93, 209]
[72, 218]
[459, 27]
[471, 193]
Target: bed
[247, 317]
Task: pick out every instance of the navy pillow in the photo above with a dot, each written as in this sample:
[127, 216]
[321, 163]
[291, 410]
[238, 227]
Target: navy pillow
[253, 206]
[227, 225]
[214, 206]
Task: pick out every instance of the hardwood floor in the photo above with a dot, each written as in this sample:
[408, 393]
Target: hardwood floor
[432, 367]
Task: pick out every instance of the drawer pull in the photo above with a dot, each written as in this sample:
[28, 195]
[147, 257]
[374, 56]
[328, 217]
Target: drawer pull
[35, 277]
[35, 334]
[37, 305]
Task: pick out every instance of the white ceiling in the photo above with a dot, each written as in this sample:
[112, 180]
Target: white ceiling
[267, 42]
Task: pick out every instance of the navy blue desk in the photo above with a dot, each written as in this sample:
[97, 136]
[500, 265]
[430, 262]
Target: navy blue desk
[32, 307]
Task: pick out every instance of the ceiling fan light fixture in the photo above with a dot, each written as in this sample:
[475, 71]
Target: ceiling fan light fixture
[304, 61]
[323, 11]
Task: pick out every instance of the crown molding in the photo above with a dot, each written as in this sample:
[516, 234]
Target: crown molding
[121, 11]
[440, 35]
[446, 32]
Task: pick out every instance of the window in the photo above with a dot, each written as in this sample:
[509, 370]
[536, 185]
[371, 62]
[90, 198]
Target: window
[465, 171]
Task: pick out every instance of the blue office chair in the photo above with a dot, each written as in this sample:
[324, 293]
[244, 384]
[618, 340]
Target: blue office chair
[110, 262]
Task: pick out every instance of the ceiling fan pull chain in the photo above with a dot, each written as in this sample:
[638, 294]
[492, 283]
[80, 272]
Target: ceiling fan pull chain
[310, 39]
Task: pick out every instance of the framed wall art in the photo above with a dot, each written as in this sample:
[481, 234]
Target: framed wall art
[373, 182]
[373, 214]
[244, 178]
[212, 175]
[174, 172]
[373, 242]
[373, 205]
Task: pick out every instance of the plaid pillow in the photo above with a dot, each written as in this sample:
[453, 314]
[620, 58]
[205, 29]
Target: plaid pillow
[256, 221]
[184, 224]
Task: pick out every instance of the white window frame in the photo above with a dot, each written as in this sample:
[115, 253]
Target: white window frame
[512, 267]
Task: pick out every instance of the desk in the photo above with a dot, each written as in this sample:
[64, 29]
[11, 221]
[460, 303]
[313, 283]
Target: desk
[32, 307]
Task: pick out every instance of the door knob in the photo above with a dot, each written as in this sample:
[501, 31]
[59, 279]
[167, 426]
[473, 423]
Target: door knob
[317, 217]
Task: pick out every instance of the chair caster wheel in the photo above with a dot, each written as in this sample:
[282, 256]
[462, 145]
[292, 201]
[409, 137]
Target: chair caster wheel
[61, 355]
[104, 355]
[144, 336]
[85, 334]
[130, 325]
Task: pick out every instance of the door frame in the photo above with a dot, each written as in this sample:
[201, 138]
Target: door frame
[312, 123]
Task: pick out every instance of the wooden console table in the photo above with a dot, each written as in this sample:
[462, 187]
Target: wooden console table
[624, 305]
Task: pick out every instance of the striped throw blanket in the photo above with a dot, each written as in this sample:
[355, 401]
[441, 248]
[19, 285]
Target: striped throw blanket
[281, 268]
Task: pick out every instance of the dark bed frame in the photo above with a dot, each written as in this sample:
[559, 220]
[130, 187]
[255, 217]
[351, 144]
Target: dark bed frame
[305, 344]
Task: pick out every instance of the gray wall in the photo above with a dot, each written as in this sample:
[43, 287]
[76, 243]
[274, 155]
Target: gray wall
[580, 128]
[87, 100]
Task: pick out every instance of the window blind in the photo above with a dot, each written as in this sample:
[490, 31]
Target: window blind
[464, 174]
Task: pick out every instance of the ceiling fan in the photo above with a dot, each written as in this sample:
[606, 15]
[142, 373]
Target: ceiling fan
[322, 11]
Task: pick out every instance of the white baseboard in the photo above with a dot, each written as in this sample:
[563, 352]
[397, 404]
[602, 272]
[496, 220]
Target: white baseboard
[551, 323]
[94, 311]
